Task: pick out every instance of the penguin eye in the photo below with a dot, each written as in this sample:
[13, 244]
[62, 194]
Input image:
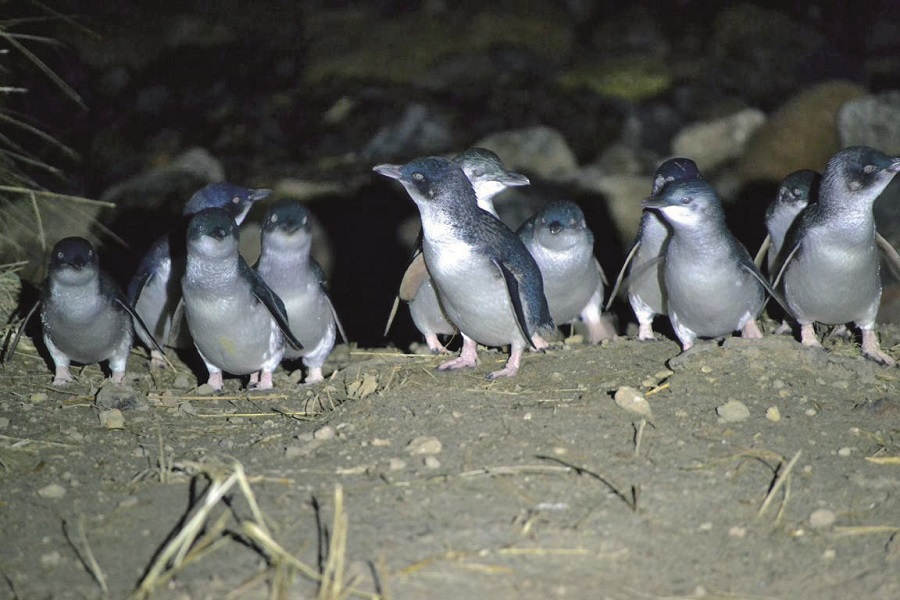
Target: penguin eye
[273, 219]
[59, 255]
[686, 200]
[868, 169]
[303, 222]
[91, 253]
[477, 173]
[236, 200]
[418, 176]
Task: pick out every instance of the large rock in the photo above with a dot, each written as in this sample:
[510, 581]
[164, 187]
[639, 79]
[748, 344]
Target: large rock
[871, 121]
[801, 134]
[713, 143]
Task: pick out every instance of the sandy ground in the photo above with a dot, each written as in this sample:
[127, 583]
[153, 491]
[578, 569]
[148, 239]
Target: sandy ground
[454, 487]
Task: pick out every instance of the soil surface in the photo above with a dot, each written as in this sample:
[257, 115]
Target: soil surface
[540, 486]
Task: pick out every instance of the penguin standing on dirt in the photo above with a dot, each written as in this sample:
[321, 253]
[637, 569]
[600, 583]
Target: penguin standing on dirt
[830, 270]
[487, 282]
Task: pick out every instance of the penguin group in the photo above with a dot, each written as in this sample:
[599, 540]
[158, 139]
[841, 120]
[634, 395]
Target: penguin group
[471, 274]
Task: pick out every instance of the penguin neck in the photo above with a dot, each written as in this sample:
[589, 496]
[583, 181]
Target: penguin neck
[852, 222]
[212, 273]
[78, 297]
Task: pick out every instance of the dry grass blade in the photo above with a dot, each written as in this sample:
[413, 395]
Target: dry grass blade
[86, 555]
[331, 587]
[56, 196]
[13, 40]
[780, 481]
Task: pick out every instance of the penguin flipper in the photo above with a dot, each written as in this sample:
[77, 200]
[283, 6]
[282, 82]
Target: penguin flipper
[139, 324]
[12, 347]
[601, 272]
[890, 254]
[784, 264]
[761, 253]
[337, 321]
[415, 275]
[621, 275]
[515, 298]
[272, 302]
[770, 289]
[393, 314]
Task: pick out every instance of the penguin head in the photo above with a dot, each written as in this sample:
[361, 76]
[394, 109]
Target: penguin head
[432, 180]
[487, 174]
[287, 222]
[212, 232]
[798, 188]
[861, 171]
[236, 200]
[73, 260]
[561, 225]
[687, 204]
[674, 169]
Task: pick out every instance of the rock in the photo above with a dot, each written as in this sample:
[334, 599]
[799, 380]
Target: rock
[800, 134]
[822, 518]
[38, 398]
[539, 151]
[419, 131]
[121, 397]
[633, 401]
[431, 462]
[53, 491]
[712, 143]
[169, 185]
[4, 423]
[761, 53]
[204, 390]
[424, 445]
[324, 433]
[773, 414]
[112, 419]
[623, 195]
[733, 411]
[871, 121]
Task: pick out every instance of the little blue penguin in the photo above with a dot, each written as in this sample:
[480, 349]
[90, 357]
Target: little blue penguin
[563, 247]
[155, 291]
[237, 322]
[713, 287]
[488, 177]
[85, 316]
[286, 266]
[489, 285]
[794, 194]
[646, 289]
[830, 271]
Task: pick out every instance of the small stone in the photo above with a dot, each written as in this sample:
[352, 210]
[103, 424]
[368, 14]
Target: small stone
[526, 416]
[822, 518]
[396, 464]
[574, 340]
[845, 451]
[424, 444]
[633, 401]
[810, 412]
[204, 390]
[773, 414]
[432, 463]
[38, 397]
[4, 423]
[112, 419]
[737, 532]
[51, 559]
[182, 382]
[733, 411]
[323, 433]
[53, 491]
[380, 443]
[128, 502]
[121, 397]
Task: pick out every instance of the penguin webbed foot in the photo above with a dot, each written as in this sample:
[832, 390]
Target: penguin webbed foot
[751, 330]
[511, 368]
[260, 380]
[62, 377]
[468, 357]
[645, 333]
[871, 349]
[215, 381]
[808, 336]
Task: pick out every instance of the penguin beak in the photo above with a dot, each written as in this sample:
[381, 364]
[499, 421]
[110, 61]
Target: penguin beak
[652, 203]
[514, 180]
[259, 194]
[555, 227]
[392, 171]
[218, 233]
[895, 166]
